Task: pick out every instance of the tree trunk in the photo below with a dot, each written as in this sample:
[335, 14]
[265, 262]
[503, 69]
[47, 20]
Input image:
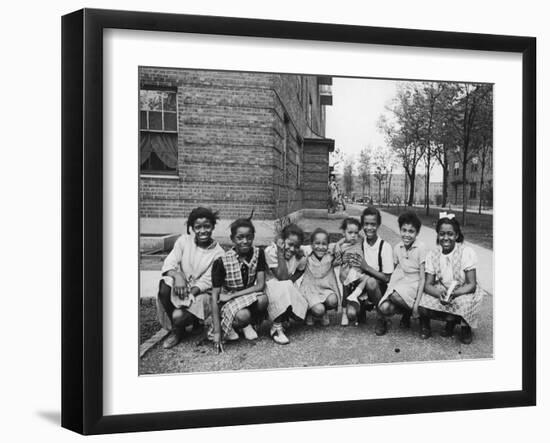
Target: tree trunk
[380, 192]
[464, 195]
[481, 186]
[445, 183]
[411, 189]
[428, 191]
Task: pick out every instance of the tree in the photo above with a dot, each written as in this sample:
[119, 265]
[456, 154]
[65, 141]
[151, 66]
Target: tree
[364, 168]
[336, 157]
[403, 132]
[483, 139]
[348, 175]
[427, 97]
[382, 163]
[468, 119]
[444, 135]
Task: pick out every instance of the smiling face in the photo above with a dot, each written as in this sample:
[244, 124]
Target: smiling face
[203, 229]
[319, 245]
[291, 246]
[446, 237]
[243, 239]
[351, 233]
[370, 226]
[408, 234]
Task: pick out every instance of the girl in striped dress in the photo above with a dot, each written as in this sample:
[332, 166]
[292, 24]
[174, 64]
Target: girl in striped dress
[286, 264]
[238, 281]
[451, 292]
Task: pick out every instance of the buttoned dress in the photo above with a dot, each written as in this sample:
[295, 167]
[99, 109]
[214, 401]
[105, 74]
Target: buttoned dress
[319, 280]
[406, 274]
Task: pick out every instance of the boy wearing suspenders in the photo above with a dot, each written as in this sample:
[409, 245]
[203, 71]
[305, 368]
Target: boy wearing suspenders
[378, 265]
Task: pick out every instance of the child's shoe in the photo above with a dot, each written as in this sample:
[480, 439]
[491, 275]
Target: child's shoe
[309, 319]
[405, 322]
[249, 333]
[425, 328]
[381, 327]
[449, 329]
[345, 319]
[278, 334]
[231, 335]
[466, 334]
[173, 339]
[325, 321]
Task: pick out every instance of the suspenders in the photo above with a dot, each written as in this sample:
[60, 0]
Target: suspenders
[380, 255]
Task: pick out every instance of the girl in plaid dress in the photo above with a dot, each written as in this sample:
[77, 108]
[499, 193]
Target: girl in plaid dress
[451, 292]
[319, 286]
[238, 281]
[286, 264]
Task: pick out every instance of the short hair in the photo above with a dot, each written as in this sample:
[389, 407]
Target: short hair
[371, 210]
[349, 221]
[409, 218]
[201, 212]
[456, 227]
[242, 223]
[293, 229]
[318, 231]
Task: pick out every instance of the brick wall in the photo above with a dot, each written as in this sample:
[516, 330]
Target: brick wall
[232, 133]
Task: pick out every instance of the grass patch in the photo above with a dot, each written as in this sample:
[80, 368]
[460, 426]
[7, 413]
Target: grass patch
[478, 228]
[148, 323]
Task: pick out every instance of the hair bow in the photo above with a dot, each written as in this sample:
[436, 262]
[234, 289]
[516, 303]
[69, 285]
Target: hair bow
[446, 215]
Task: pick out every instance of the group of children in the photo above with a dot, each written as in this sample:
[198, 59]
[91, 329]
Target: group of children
[288, 280]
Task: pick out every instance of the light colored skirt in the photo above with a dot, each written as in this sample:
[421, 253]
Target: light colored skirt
[282, 294]
[317, 290]
[200, 308]
[466, 306]
[405, 284]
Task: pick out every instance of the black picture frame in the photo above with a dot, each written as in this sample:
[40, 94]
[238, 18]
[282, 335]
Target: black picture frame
[82, 219]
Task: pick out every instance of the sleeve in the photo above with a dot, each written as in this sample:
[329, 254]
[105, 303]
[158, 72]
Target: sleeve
[387, 258]
[396, 255]
[261, 266]
[469, 259]
[306, 250]
[271, 257]
[173, 259]
[429, 267]
[337, 255]
[422, 253]
[218, 273]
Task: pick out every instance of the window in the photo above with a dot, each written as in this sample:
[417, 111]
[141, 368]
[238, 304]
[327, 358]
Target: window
[158, 126]
[473, 190]
[456, 168]
[475, 164]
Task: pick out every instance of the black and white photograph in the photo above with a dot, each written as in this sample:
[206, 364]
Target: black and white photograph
[300, 220]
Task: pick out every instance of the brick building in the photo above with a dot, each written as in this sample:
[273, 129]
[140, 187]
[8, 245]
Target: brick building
[474, 192]
[230, 141]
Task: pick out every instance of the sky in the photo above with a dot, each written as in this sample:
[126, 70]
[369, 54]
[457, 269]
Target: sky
[357, 104]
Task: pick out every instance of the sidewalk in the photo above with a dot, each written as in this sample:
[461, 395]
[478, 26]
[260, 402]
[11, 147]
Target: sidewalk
[484, 270]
